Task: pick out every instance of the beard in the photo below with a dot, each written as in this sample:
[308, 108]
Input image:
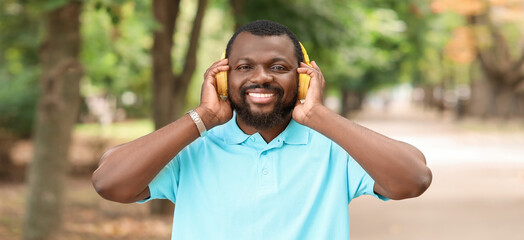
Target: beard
[264, 121]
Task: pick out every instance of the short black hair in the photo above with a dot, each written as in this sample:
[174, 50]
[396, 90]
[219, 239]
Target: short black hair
[267, 28]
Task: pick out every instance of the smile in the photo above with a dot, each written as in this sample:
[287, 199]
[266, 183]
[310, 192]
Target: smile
[261, 95]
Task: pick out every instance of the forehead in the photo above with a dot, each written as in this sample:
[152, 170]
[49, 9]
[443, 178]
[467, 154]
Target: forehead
[247, 45]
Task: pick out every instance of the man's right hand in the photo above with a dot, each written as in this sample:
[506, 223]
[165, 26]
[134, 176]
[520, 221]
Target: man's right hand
[212, 109]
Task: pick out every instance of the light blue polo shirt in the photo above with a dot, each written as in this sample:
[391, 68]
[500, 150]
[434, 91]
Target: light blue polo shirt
[230, 185]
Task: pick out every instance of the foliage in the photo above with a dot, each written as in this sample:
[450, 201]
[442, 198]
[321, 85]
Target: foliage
[371, 58]
[18, 98]
[19, 25]
[115, 55]
[117, 39]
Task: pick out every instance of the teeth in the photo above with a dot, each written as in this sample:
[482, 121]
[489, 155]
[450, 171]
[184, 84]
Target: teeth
[261, 95]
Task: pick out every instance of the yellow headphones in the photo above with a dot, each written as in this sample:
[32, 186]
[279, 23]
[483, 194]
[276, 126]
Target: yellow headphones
[303, 79]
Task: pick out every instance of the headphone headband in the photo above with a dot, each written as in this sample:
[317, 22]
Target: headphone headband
[306, 57]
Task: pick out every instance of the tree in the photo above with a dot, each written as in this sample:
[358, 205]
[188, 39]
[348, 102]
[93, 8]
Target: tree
[503, 72]
[499, 52]
[56, 115]
[170, 89]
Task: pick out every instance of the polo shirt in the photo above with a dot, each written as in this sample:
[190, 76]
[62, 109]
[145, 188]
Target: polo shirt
[230, 185]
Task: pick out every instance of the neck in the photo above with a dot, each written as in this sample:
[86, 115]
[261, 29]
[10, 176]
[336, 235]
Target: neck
[267, 134]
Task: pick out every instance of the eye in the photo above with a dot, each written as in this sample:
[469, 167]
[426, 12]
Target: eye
[278, 68]
[243, 67]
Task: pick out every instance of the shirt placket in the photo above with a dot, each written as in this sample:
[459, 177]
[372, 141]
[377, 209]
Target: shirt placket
[266, 166]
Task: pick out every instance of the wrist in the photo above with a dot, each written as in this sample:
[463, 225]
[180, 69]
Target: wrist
[208, 117]
[202, 130]
[315, 116]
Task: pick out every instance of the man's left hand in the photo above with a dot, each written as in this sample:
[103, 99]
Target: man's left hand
[314, 100]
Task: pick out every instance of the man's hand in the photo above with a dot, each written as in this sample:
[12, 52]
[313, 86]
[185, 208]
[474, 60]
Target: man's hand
[313, 101]
[212, 109]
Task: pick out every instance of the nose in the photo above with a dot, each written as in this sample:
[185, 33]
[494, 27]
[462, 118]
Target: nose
[261, 75]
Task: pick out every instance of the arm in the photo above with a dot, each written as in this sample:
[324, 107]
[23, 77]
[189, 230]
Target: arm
[126, 170]
[399, 169]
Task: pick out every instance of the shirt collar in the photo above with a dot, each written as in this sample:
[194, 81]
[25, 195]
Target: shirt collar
[232, 133]
[294, 133]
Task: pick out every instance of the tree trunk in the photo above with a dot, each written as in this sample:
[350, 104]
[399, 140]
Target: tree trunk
[481, 101]
[351, 101]
[183, 80]
[165, 12]
[169, 90]
[56, 116]
[493, 99]
[504, 73]
[506, 101]
[429, 100]
[237, 6]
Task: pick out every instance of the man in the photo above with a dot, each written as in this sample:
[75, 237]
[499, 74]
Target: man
[269, 167]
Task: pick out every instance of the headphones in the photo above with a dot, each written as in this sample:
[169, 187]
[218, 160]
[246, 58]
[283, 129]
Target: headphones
[303, 79]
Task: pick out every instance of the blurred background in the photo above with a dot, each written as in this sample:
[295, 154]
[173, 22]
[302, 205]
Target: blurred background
[78, 77]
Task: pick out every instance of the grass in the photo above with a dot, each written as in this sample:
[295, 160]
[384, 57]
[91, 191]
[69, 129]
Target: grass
[127, 130]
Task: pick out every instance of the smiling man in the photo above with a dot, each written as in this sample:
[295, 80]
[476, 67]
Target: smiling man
[264, 90]
[261, 164]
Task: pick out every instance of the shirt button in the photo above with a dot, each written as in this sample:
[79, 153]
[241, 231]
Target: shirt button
[253, 139]
[265, 171]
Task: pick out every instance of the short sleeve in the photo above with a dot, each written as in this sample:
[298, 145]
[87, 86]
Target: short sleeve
[165, 184]
[359, 181]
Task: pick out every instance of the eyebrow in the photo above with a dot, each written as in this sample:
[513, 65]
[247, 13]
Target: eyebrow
[275, 59]
[279, 59]
[245, 59]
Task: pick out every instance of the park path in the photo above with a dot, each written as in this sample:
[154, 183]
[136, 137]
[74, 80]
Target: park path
[478, 179]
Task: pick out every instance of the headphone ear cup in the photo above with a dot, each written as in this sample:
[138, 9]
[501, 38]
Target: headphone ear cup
[221, 78]
[222, 84]
[303, 85]
[303, 79]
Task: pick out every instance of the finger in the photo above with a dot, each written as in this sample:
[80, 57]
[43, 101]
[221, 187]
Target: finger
[219, 69]
[312, 68]
[304, 68]
[317, 79]
[212, 72]
[304, 65]
[315, 66]
[209, 86]
[222, 62]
